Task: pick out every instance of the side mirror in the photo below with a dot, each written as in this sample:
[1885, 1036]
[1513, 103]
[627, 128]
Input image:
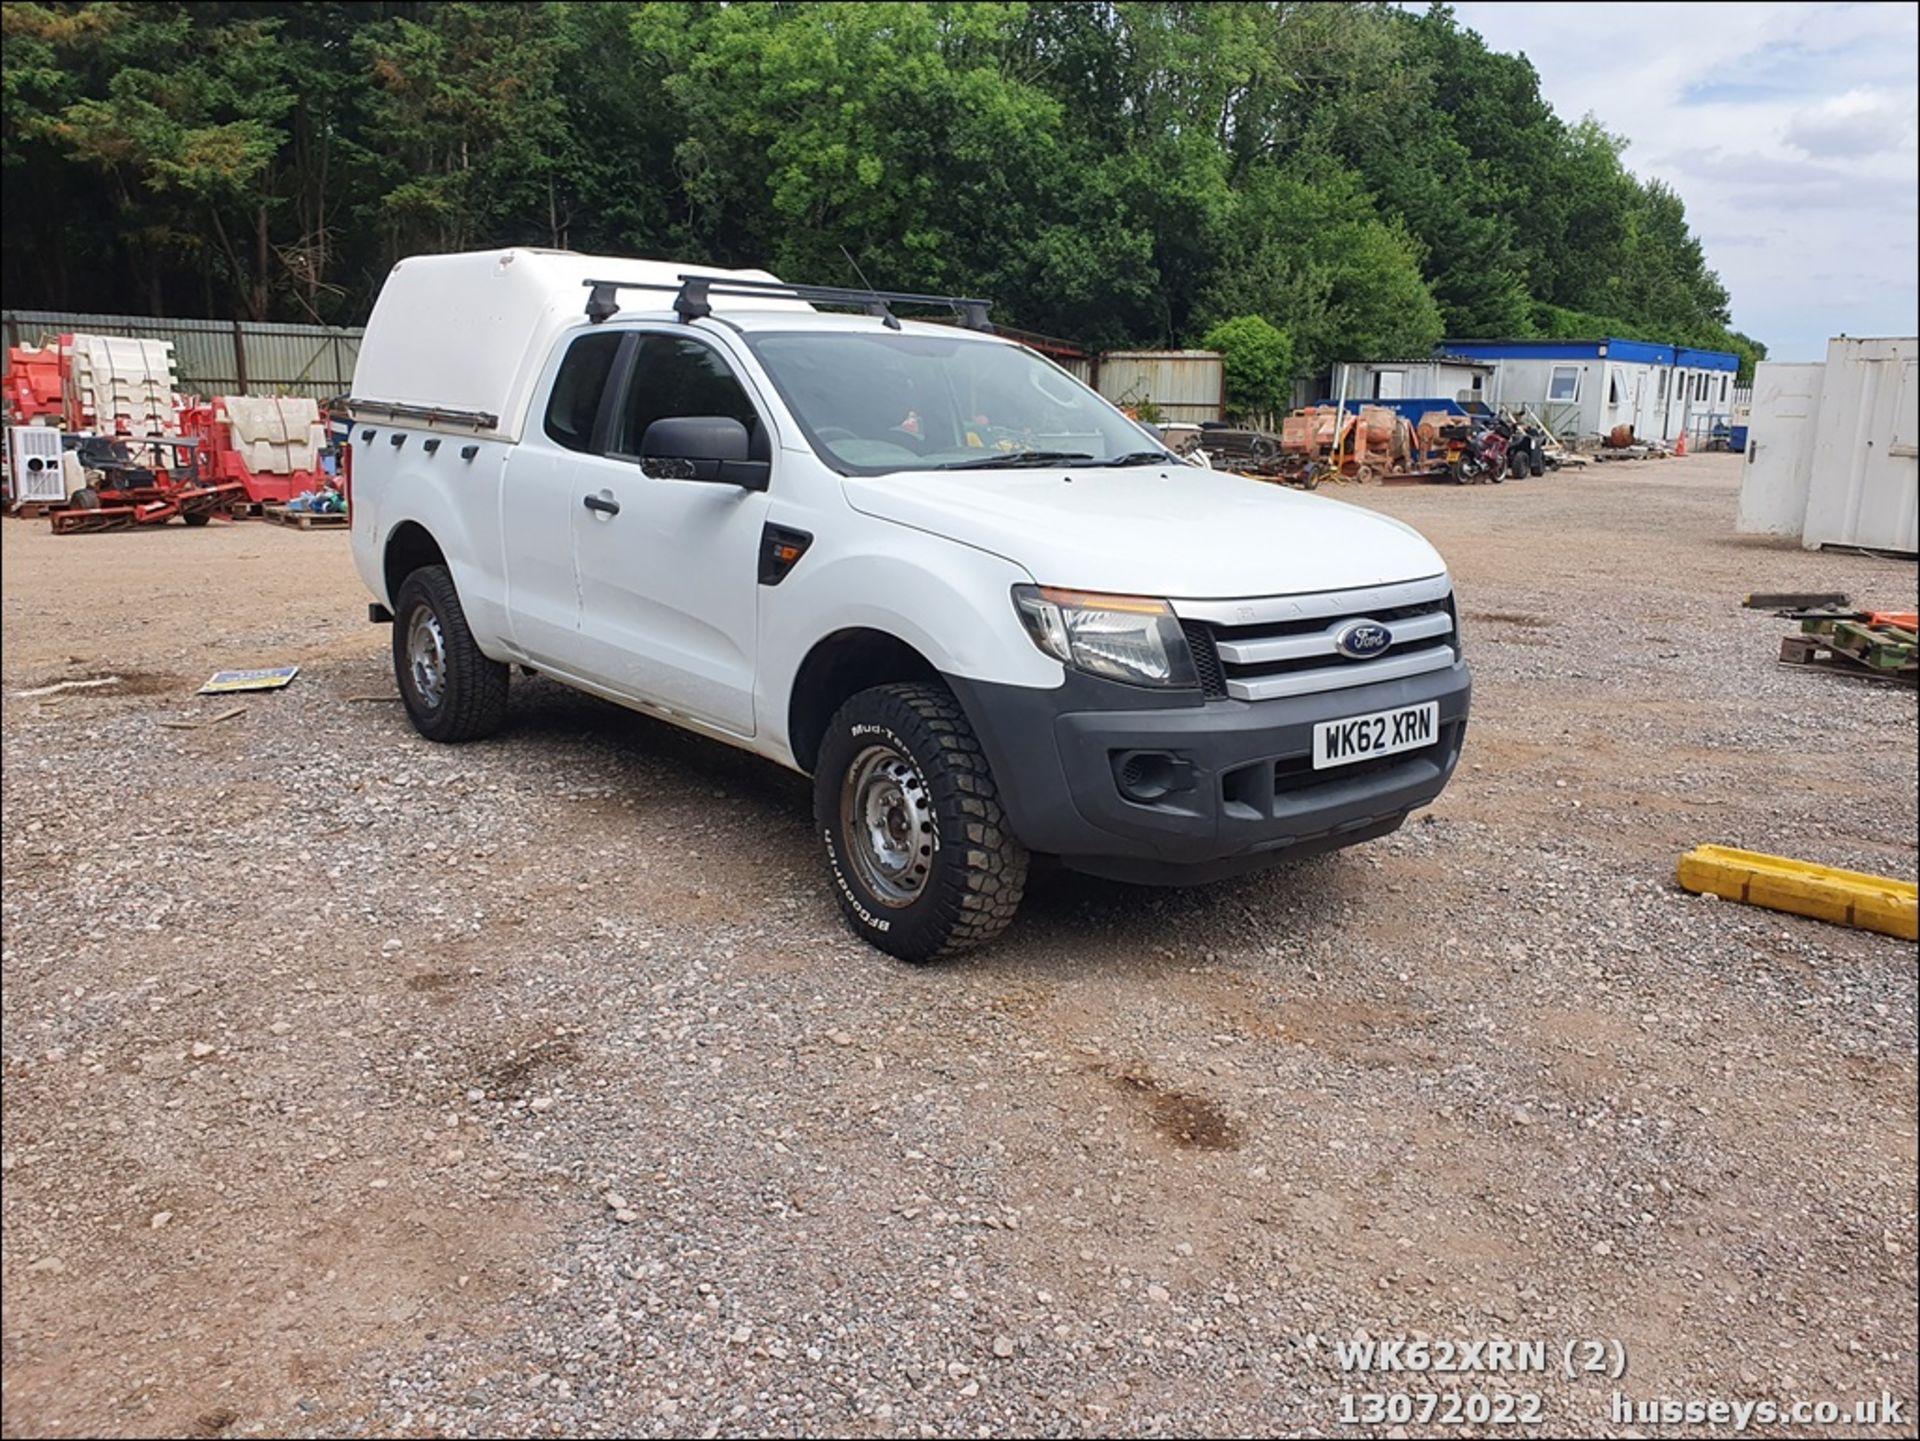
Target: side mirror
[703, 447]
[1152, 430]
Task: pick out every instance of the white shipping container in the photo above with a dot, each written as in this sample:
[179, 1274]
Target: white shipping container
[1779, 463]
[1831, 453]
[1864, 488]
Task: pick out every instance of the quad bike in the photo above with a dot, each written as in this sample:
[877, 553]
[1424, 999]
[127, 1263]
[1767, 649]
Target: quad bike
[1527, 454]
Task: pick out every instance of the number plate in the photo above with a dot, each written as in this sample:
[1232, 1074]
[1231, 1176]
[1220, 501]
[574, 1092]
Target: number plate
[1362, 737]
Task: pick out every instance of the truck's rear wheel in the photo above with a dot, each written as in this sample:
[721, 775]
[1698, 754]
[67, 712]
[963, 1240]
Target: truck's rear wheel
[923, 862]
[452, 692]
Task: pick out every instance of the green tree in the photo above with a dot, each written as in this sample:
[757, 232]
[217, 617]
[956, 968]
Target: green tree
[1364, 178]
[472, 123]
[1258, 360]
[182, 126]
[1313, 259]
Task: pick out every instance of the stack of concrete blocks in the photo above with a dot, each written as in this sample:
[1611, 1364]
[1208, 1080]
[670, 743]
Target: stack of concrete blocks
[121, 386]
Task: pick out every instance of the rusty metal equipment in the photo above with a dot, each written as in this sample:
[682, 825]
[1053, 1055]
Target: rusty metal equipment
[140, 483]
[1316, 444]
[196, 506]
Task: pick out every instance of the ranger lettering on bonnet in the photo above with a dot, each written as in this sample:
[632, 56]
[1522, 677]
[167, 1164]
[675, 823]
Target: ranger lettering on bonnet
[990, 615]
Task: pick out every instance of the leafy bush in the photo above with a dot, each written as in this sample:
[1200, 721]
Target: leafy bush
[1258, 360]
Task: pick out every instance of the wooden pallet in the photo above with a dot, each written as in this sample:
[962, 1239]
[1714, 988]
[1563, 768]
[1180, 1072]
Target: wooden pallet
[36, 509]
[305, 519]
[1818, 652]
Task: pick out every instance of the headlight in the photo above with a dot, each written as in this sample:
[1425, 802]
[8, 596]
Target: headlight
[1131, 638]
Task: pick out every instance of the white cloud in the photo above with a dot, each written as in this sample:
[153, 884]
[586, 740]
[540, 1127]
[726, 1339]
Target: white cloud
[1860, 122]
[1788, 130]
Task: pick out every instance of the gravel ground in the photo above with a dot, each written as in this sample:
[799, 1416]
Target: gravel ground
[359, 1086]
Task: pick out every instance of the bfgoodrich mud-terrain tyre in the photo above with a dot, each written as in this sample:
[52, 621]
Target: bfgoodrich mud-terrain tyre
[918, 848]
[452, 692]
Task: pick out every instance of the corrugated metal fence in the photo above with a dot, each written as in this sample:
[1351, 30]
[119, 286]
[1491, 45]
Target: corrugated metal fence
[218, 357]
[242, 357]
[1182, 385]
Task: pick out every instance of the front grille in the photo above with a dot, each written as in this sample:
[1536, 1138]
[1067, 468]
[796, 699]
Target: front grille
[1288, 786]
[1298, 773]
[1284, 646]
[1206, 660]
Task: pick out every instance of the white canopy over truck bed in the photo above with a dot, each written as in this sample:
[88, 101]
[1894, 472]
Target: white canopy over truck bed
[460, 340]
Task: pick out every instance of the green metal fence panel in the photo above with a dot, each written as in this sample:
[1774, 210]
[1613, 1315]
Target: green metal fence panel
[218, 357]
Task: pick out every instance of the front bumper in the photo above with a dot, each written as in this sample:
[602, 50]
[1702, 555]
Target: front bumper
[1254, 797]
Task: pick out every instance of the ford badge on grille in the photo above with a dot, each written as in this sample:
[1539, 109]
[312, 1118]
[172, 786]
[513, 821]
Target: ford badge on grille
[1362, 639]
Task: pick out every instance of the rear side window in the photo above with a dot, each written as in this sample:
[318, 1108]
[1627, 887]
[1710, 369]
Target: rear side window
[577, 389]
[672, 377]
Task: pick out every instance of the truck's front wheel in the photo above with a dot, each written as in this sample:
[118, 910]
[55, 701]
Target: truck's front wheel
[923, 862]
[452, 691]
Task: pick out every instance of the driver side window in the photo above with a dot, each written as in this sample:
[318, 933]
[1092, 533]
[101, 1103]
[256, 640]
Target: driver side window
[674, 376]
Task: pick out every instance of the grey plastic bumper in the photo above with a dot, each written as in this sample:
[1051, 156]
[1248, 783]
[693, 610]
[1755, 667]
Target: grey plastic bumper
[1254, 797]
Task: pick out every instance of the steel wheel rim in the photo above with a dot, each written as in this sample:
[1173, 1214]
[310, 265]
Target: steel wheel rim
[427, 658]
[886, 815]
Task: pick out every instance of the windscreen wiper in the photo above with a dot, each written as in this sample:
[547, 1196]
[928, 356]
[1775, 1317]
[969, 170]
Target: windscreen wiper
[1014, 459]
[1140, 457]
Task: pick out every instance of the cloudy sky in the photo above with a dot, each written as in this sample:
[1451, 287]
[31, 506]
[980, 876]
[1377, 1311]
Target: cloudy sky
[1788, 129]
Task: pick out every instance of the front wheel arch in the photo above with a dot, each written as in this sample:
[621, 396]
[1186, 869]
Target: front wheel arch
[838, 668]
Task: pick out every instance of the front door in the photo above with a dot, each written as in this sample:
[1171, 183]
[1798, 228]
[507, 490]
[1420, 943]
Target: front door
[538, 496]
[667, 569]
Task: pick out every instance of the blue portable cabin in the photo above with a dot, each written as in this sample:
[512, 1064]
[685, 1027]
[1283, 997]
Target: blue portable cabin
[1590, 387]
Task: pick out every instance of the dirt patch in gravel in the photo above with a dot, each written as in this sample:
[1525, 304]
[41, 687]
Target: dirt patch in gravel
[355, 1085]
[1191, 1122]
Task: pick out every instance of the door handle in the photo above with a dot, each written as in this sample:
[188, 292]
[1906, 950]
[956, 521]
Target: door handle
[604, 504]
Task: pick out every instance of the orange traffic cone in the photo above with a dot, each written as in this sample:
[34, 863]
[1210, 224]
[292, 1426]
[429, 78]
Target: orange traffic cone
[1680, 445]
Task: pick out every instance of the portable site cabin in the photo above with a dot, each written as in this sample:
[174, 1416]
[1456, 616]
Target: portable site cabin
[1440, 376]
[1590, 387]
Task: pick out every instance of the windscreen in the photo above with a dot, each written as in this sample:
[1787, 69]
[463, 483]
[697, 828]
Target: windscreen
[875, 403]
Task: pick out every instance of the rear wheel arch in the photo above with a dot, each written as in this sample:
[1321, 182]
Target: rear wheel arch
[410, 547]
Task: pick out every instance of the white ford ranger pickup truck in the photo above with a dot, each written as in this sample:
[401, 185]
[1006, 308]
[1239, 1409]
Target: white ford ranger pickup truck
[991, 616]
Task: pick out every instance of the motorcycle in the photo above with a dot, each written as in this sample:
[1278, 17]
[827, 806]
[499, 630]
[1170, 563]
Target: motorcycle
[1484, 456]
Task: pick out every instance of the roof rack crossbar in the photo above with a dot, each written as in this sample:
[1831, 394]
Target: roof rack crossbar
[694, 298]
